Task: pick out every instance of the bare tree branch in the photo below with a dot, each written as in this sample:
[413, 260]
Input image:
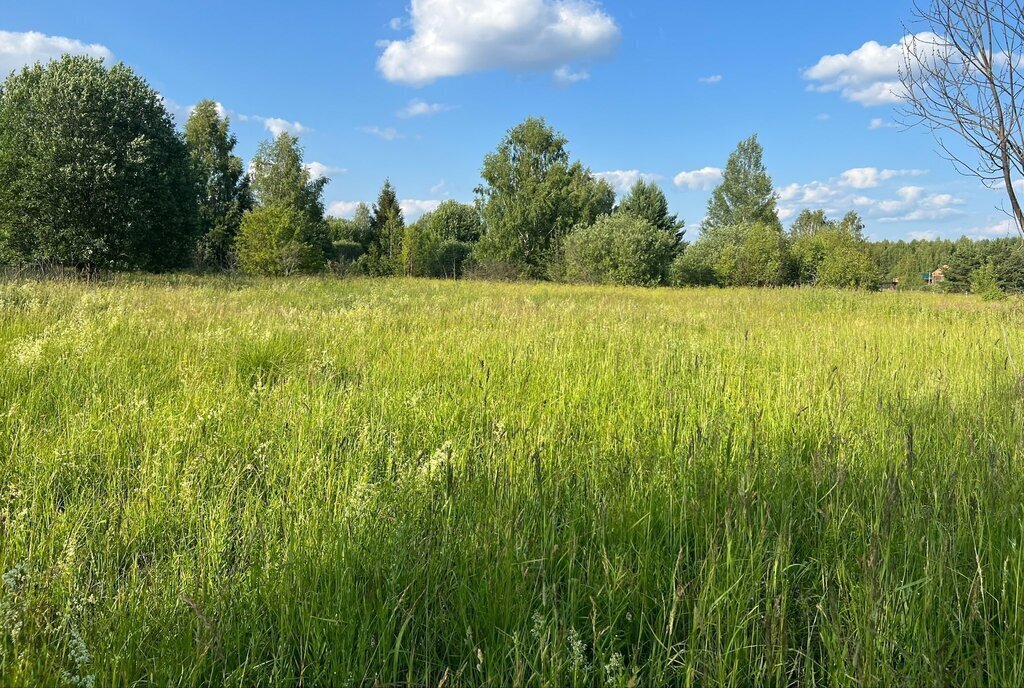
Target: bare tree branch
[962, 75]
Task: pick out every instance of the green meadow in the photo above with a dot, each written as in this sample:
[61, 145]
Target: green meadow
[322, 482]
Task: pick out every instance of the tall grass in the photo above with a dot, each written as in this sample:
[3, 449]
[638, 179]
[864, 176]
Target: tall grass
[313, 482]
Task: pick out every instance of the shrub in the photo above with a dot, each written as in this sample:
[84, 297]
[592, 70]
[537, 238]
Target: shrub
[691, 269]
[985, 283]
[347, 251]
[278, 240]
[618, 249]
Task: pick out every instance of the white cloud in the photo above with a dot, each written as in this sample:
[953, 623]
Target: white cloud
[914, 205]
[414, 209]
[813, 193]
[713, 79]
[824, 117]
[383, 133]
[564, 76]
[878, 123]
[923, 236]
[837, 196]
[454, 37]
[318, 170]
[20, 49]
[345, 209]
[785, 213]
[420, 108]
[869, 75]
[871, 177]
[277, 126]
[702, 179]
[623, 180]
[1002, 228]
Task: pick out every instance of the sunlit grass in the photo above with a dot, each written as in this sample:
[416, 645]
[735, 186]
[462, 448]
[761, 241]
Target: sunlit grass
[321, 482]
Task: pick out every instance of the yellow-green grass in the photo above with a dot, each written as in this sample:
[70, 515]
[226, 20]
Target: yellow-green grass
[321, 482]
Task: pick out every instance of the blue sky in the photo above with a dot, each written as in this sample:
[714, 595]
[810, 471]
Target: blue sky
[419, 91]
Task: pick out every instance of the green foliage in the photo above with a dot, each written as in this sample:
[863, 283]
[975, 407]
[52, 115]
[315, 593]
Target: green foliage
[347, 251]
[388, 228]
[358, 230]
[618, 249]
[224, 192]
[278, 239]
[430, 249]
[831, 254]
[693, 268]
[746, 194]
[647, 201]
[92, 171]
[985, 283]
[420, 250]
[747, 255]
[533, 196]
[908, 260]
[456, 222]
[279, 177]
[291, 235]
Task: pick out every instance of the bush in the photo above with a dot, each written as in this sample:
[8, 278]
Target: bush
[347, 251]
[618, 249]
[278, 240]
[746, 255]
[985, 283]
[691, 269]
[452, 258]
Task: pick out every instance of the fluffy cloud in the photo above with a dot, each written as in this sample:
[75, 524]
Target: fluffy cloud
[453, 37]
[345, 209]
[420, 108]
[318, 170]
[383, 133]
[869, 75]
[915, 205]
[702, 179]
[837, 196]
[623, 180]
[278, 126]
[20, 49]
[878, 123]
[872, 177]
[713, 79]
[414, 209]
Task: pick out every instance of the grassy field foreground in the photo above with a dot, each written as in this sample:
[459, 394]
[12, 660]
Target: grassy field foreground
[319, 482]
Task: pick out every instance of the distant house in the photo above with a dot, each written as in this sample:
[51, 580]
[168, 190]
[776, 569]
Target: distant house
[936, 277]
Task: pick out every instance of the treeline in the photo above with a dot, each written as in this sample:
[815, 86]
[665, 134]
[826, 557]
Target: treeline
[94, 174]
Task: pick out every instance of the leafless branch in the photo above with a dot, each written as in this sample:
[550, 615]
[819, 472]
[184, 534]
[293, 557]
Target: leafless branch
[961, 74]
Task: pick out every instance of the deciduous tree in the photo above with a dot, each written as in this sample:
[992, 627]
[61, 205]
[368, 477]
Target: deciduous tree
[92, 171]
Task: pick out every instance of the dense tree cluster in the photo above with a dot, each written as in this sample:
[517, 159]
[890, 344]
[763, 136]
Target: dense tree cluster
[93, 174]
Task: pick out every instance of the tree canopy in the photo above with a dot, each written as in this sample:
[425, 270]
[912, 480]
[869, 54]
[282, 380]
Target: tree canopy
[93, 172]
[533, 195]
[647, 201]
[224, 190]
[746, 194]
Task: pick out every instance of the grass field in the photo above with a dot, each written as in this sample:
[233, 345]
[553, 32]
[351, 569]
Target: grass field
[357, 483]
